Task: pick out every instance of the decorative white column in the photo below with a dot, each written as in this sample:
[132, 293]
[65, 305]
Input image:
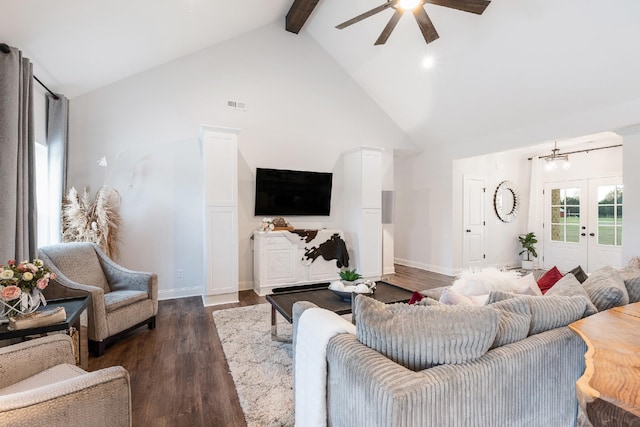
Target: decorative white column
[362, 209]
[219, 148]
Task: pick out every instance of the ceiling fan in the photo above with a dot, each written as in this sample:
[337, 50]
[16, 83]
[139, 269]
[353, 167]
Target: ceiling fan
[417, 8]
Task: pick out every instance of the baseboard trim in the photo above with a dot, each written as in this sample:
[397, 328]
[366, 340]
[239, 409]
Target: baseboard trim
[194, 291]
[427, 267]
[246, 285]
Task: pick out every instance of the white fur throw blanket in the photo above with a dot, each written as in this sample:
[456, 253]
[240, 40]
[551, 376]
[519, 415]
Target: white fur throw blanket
[473, 286]
[316, 327]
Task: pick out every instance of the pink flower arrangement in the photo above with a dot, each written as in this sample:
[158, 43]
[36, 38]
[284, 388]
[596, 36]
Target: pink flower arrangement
[25, 276]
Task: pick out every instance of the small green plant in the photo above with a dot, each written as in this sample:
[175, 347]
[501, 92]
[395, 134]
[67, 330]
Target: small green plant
[349, 275]
[528, 241]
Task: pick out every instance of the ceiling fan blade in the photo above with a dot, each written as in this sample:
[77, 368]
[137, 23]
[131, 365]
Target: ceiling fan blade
[365, 15]
[426, 26]
[473, 6]
[389, 27]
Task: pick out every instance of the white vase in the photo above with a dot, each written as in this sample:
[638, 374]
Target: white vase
[527, 265]
[25, 304]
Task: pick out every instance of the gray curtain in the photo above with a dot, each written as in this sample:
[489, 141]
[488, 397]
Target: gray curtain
[17, 154]
[57, 141]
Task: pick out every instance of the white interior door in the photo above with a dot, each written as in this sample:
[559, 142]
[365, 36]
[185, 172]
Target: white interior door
[565, 225]
[605, 222]
[473, 250]
[583, 223]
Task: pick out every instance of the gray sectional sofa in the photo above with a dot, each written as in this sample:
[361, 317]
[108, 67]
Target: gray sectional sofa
[530, 382]
[510, 362]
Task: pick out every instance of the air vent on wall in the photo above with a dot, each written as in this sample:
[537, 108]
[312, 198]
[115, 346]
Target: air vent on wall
[236, 105]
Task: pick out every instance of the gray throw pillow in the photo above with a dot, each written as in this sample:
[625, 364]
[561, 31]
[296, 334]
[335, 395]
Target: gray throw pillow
[633, 289]
[606, 289]
[419, 337]
[515, 318]
[548, 312]
[570, 286]
[579, 274]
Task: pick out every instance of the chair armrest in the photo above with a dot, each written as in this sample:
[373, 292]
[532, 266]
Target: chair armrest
[95, 398]
[20, 361]
[63, 287]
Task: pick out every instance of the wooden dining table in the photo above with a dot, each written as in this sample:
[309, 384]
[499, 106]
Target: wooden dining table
[609, 390]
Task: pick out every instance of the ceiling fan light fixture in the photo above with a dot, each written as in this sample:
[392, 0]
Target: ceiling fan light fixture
[408, 5]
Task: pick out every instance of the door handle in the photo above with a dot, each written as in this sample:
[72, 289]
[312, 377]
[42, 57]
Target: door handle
[583, 234]
[468, 230]
[592, 234]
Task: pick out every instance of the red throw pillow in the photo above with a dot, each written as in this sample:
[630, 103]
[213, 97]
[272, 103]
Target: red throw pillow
[417, 296]
[549, 279]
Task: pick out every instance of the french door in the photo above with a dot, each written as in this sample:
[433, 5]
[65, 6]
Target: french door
[583, 223]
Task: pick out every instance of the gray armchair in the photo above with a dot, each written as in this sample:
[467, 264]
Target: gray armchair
[40, 385]
[121, 299]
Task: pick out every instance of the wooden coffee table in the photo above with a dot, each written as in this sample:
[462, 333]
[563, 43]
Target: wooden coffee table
[320, 295]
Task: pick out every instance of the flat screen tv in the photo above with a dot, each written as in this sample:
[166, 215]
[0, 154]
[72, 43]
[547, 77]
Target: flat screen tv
[282, 192]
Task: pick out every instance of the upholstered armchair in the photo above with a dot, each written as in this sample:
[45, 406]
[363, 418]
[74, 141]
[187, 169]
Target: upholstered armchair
[121, 299]
[41, 386]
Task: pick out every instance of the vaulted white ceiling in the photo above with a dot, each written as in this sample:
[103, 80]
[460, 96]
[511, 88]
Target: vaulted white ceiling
[521, 62]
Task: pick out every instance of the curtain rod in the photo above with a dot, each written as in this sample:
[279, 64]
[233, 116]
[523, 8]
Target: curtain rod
[4, 48]
[586, 150]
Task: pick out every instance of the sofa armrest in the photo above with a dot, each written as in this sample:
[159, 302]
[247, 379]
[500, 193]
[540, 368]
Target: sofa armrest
[95, 398]
[366, 388]
[23, 360]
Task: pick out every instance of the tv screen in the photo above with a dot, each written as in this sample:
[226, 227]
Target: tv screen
[282, 192]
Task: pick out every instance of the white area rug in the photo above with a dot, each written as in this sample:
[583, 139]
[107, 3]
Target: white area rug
[261, 368]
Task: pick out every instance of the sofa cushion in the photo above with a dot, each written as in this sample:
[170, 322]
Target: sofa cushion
[532, 286]
[548, 312]
[569, 286]
[419, 337]
[579, 274]
[631, 276]
[452, 297]
[118, 299]
[515, 318]
[549, 279]
[49, 376]
[434, 293]
[606, 289]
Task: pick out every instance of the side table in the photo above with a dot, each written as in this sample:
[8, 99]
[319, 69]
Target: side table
[74, 308]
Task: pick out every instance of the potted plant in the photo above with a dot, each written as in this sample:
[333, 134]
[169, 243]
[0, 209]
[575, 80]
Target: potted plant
[349, 277]
[528, 241]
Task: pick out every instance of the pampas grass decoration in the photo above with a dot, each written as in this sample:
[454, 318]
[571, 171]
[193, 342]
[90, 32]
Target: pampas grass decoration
[98, 221]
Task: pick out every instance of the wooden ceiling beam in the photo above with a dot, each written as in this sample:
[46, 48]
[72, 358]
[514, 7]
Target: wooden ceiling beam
[298, 14]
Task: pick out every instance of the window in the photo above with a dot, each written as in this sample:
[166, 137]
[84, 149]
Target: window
[42, 193]
[610, 215]
[565, 215]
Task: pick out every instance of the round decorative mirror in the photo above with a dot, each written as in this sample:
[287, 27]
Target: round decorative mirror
[506, 201]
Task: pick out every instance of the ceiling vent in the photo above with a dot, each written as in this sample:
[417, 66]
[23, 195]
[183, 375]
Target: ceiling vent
[236, 105]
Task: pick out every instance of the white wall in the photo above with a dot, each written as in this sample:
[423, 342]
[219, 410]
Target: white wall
[425, 235]
[631, 202]
[501, 239]
[303, 112]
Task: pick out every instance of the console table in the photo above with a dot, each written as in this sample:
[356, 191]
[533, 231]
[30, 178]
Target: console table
[609, 390]
[279, 260]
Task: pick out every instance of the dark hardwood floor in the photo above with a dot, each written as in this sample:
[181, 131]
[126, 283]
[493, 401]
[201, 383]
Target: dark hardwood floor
[179, 374]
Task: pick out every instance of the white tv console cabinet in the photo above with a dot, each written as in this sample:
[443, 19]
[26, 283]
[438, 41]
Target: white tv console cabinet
[278, 262]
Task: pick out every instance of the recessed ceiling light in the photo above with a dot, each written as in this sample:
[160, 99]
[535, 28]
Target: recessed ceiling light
[428, 62]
